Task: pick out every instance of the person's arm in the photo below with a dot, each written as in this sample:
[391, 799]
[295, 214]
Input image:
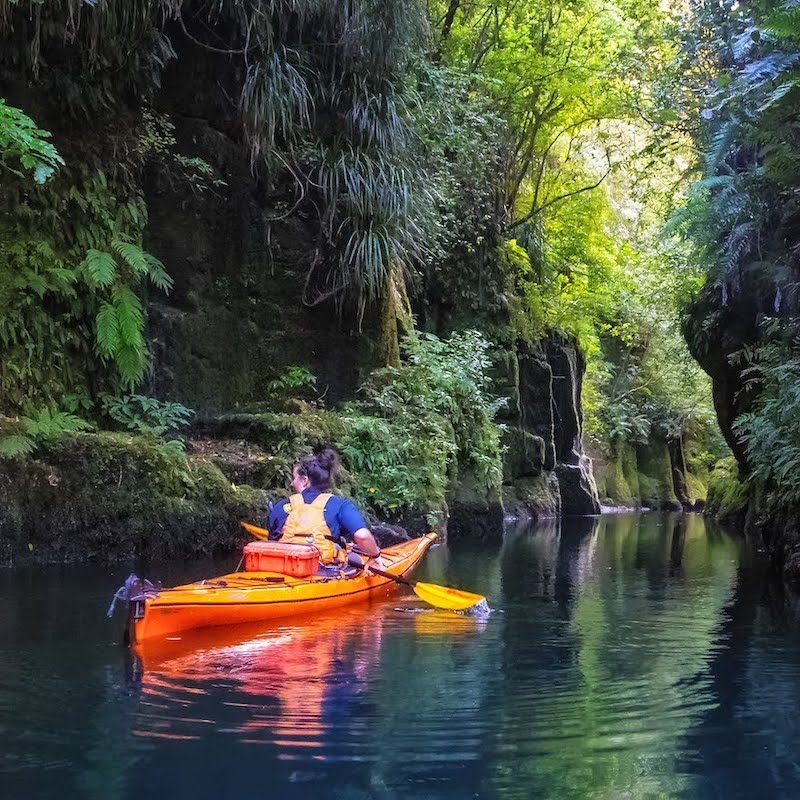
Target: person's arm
[277, 518]
[353, 524]
[365, 542]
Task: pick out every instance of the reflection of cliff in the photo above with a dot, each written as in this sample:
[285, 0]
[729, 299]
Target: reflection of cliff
[605, 678]
[755, 677]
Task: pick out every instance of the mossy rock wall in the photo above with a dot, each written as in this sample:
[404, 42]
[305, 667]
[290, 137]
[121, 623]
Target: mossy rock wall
[533, 498]
[655, 475]
[617, 475]
[111, 496]
[728, 496]
[543, 433]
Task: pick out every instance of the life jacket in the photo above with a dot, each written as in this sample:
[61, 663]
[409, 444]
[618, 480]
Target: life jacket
[306, 521]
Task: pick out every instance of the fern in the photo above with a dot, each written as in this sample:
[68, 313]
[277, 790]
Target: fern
[20, 437]
[157, 274]
[107, 330]
[132, 255]
[101, 267]
[45, 424]
[129, 315]
[15, 445]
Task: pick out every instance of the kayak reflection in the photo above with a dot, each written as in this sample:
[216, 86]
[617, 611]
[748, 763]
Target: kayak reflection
[282, 683]
[291, 685]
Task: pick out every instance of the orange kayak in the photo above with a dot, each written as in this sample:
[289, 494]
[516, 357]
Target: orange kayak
[245, 597]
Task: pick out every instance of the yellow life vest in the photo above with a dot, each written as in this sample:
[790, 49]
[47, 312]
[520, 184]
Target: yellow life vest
[307, 521]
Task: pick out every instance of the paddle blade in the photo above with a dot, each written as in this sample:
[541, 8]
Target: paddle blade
[445, 597]
[259, 533]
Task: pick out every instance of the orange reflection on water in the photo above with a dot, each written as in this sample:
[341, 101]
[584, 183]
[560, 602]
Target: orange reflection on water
[298, 686]
[283, 684]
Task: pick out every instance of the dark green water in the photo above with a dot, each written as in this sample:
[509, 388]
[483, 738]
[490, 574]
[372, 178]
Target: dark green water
[627, 657]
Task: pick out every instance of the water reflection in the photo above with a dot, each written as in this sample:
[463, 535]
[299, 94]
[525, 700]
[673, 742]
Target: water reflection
[624, 653]
[287, 686]
[627, 656]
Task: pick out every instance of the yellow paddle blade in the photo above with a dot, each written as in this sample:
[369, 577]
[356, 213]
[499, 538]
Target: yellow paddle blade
[259, 533]
[445, 597]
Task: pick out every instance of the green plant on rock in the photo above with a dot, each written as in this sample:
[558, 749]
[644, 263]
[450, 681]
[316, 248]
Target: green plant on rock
[19, 436]
[769, 430]
[73, 275]
[292, 380]
[432, 414]
[120, 320]
[145, 414]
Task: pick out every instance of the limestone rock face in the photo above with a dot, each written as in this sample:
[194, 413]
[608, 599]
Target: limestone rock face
[524, 454]
[549, 410]
[578, 491]
[533, 498]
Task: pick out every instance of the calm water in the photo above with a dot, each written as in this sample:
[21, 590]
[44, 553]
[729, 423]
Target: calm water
[626, 657]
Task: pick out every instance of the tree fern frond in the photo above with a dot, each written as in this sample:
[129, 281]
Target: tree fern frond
[131, 362]
[132, 255]
[101, 267]
[157, 274]
[15, 445]
[129, 316]
[107, 330]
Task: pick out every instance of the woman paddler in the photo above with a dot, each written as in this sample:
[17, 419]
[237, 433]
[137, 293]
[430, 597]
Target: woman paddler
[313, 512]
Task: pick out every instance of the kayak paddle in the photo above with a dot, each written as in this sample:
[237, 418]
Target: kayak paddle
[439, 596]
[259, 533]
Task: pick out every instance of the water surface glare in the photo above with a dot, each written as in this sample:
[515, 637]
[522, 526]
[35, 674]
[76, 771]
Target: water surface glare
[630, 656]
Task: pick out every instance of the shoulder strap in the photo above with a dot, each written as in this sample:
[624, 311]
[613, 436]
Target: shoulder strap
[297, 501]
[321, 500]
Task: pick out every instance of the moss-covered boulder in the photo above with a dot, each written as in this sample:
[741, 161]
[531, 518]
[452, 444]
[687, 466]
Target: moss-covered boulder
[111, 496]
[533, 498]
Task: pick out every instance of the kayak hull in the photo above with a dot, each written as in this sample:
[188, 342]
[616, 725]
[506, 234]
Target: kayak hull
[247, 597]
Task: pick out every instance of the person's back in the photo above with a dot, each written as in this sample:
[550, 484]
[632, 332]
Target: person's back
[313, 512]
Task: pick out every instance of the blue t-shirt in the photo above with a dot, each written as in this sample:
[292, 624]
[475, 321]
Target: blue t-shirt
[341, 516]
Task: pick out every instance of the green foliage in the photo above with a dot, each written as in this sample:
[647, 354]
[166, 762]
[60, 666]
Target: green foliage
[25, 145]
[156, 145]
[338, 120]
[20, 436]
[741, 213]
[291, 381]
[432, 414]
[728, 496]
[145, 414]
[769, 430]
[73, 271]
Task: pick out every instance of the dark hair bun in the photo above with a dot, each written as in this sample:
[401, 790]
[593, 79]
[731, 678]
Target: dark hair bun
[328, 459]
[320, 468]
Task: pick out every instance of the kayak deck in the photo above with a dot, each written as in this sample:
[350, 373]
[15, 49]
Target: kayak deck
[244, 597]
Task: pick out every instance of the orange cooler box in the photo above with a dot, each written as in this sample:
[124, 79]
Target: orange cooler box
[297, 560]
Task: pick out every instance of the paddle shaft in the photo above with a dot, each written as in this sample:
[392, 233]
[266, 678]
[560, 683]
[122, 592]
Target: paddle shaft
[398, 578]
